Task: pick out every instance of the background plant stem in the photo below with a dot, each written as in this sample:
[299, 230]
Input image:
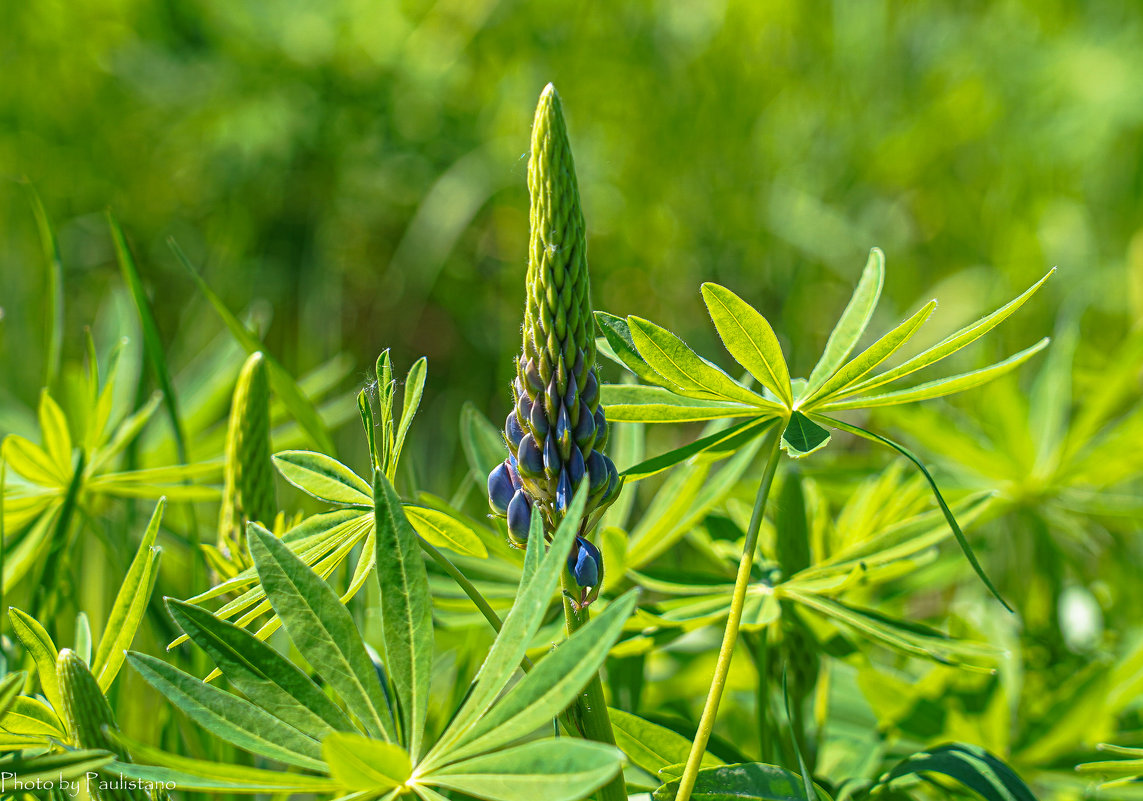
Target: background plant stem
[591, 708]
[730, 635]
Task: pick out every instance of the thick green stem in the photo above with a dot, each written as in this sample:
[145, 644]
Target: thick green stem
[590, 710]
[730, 635]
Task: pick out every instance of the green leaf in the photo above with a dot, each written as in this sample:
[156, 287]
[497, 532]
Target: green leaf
[738, 435]
[482, 442]
[10, 687]
[951, 344]
[366, 411]
[386, 387]
[31, 716]
[406, 610]
[260, 673]
[321, 629]
[853, 322]
[322, 477]
[33, 463]
[807, 779]
[949, 517]
[130, 604]
[56, 767]
[283, 384]
[209, 776]
[941, 386]
[690, 373]
[749, 338]
[53, 426]
[152, 342]
[551, 685]
[521, 625]
[414, 388]
[868, 359]
[42, 650]
[358, 763]
[802, 436]
[617, 333]
[970, 765]
[554, 770]
[229, 717]
[445, 531]
[753, 781]
[651, 746]
[636, 403]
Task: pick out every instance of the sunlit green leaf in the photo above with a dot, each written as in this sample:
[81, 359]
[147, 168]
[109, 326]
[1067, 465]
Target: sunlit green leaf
[358, 763]
[749, 338]
[852, 323]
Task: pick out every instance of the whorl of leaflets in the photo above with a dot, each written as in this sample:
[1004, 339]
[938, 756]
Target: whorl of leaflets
[557, 431]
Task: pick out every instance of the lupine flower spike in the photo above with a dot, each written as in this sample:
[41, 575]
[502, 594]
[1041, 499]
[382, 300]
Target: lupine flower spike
[248, 493]
[557, 430]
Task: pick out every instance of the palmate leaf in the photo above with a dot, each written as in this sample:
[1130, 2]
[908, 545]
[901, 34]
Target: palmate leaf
[617, 334]
[939, 387]
[541, 579]
[802, 436]
[414, 388]
[852, 323]
[56, 767]
[406, 611]
[232, 719]
[868, 359]
[753, 781]
[263, 675]
[672, 358]
[637, 403]
[209, 776]
[651, 746]
[130, 604]
[550, 686]
[358, 763]
[554, 770]
[322, 630]
[323, 477]
[39, 645]
[970, 765]
[731, 438]
[749, 339]
[949, 517]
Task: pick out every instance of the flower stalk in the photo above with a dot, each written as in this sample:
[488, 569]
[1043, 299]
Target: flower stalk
[730, 635]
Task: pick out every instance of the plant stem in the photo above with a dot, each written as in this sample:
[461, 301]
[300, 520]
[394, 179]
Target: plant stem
[730, 635]
[591, 707]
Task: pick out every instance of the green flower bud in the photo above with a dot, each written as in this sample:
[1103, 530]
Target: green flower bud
[249, 489]
[88, 717]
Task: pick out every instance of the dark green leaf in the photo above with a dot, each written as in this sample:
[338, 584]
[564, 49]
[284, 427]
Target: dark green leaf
[970, 765]
[803, 436]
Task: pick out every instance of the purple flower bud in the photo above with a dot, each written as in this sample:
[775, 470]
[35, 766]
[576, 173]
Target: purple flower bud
[539, 420]
[529, 461]
[563, 492]
[585, 563]
[597, 472]
[585, 429]
[513, 431]
[577, 368]
[523, 406]
[613, 483]
[519, 518]
[513, 472]
[532, 376]
[576, 468]
[551, 455]
[500, 489]
[570, 396]
[563, 434]
[601, 431]
[590, 392]
[553, 401]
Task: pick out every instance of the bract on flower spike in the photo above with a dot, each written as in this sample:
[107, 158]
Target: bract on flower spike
[557, 429]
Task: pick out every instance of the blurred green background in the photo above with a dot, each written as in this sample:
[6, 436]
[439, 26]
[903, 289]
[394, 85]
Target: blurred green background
[357, 168]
